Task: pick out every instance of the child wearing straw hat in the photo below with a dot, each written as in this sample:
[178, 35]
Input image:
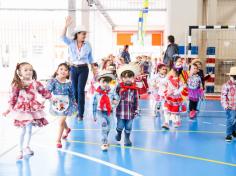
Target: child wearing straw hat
[128, 105]
[103, 102]
[228, 101]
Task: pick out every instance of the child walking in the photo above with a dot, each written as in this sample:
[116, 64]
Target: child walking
[175, 93]
[127, 108]
[63, 103]
[103, 101]
[195, 93]
[24, 106]
[228, 101]
[158, 83]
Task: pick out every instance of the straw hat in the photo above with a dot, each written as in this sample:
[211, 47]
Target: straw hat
[135, 68]
[194, 61]
[78, 29]
[232, 71]
[105, 73]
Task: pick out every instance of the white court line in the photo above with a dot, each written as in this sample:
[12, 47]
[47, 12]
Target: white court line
[207, 122]
[124, 170]
[222, 124]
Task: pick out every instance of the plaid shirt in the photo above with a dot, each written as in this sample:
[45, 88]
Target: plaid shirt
[128, 104]
[228, 95]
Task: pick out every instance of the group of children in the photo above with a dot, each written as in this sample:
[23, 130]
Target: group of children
[170, 90]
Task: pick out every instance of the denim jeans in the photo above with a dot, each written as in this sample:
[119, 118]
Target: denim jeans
[79, 76]
[105, 122]
[122, 123]
[230, 122]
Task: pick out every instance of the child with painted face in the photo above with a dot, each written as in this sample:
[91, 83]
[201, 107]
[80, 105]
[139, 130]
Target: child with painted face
[127, 108]
[175, 93]
[103, 102]
[195, 91]
[63, 103]
[158, 83]
[228, 101]
[24, 106]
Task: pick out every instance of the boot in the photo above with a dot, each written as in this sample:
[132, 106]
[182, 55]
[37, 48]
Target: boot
[127, 140]
[118, 135]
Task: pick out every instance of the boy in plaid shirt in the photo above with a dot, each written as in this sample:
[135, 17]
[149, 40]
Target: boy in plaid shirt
[128, 105]
[228, 101]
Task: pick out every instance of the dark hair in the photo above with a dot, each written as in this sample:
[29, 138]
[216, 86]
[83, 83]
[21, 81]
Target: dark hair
[67, 67]
[75, 36]
[95, 64]
[127, 73]
[160, 66]
[105, 79]
[17, 82]
[171, 39]
[126, 46]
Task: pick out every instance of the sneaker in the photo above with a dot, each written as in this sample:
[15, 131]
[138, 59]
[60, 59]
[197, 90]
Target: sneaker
[59, 145]
[28, 151]
[192, 114]
[177, 124]
[67, 133]
[234, 134]
[165, 126]
[104, 147]
[20, 156]
[228, 138]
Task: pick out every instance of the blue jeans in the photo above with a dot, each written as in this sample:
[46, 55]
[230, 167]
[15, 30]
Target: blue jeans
[122, 123]
[105, 122]
[230, 122]
[79, 76]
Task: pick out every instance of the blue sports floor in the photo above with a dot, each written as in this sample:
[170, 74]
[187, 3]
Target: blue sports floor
[197, 148]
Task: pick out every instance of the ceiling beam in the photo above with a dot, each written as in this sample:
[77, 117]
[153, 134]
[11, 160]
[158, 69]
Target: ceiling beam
[104, 13]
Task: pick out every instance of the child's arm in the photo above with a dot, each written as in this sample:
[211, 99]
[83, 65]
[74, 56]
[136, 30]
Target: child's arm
[43, 91]
[224, 97]
[12, 101]
[95, 102]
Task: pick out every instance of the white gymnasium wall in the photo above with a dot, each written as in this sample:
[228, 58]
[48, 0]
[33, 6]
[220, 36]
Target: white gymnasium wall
[100, 35]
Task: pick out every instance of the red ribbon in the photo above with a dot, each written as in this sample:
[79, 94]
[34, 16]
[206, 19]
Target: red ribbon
[105, 101]
[125, 87]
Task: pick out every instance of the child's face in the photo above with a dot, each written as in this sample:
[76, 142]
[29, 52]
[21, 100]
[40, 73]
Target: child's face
[62, 72]
[103, 83]
[128, 80]
[233, 78]
[26, 71]
[179, 62]
[163, 70]
[194, 70]
[199, 65]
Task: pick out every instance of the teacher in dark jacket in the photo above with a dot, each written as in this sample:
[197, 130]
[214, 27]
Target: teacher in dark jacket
[125, 54]
[80, 55]
[171, 50]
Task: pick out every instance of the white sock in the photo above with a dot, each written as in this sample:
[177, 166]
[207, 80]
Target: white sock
[21, 138]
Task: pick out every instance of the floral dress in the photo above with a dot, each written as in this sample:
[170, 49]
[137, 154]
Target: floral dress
[63, 102]
[194, 88]
[25, 108]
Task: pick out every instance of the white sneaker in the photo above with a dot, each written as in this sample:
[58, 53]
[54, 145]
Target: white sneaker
[104, 147]
[20, 155]
[28, 151]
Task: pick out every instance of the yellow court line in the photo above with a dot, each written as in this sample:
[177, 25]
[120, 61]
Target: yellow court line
[153, 131]
[160, 152]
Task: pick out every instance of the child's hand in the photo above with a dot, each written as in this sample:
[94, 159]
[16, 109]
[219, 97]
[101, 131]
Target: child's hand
[6, 113]
[115, 102]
